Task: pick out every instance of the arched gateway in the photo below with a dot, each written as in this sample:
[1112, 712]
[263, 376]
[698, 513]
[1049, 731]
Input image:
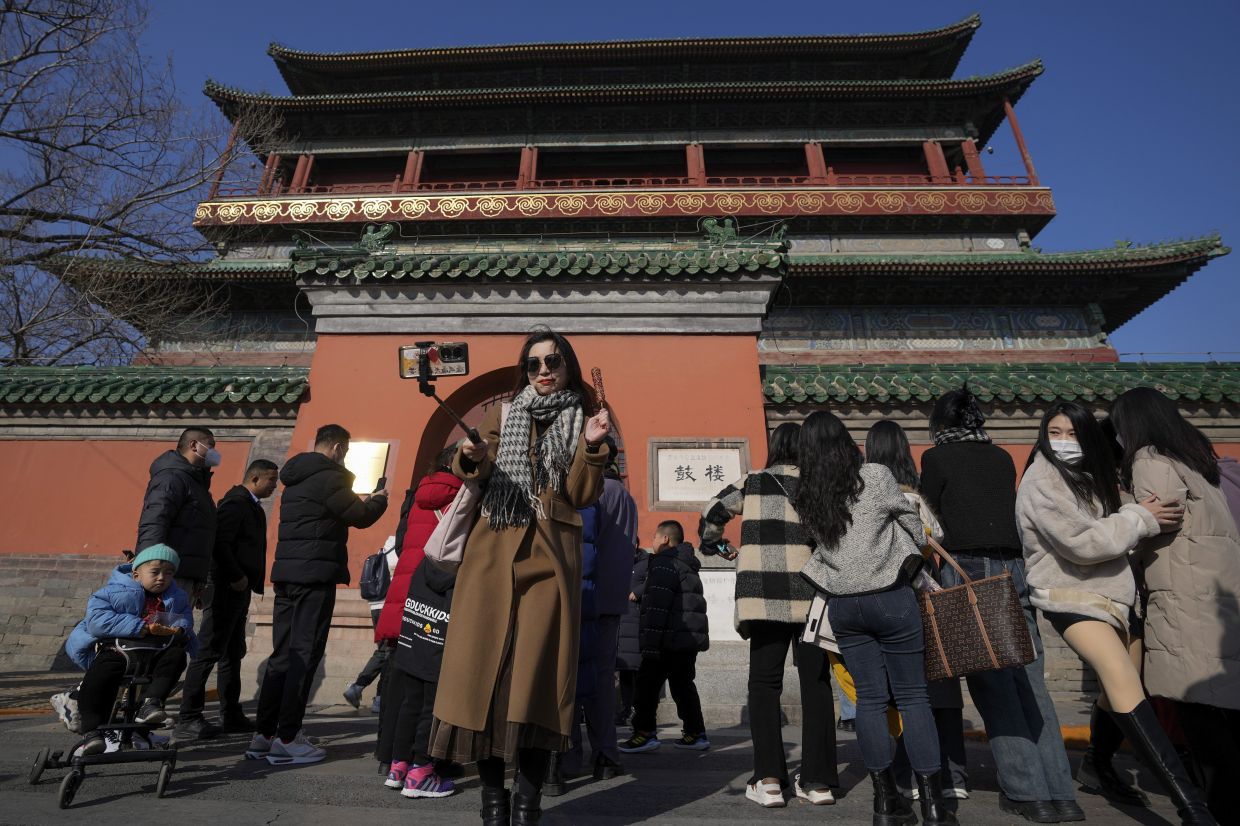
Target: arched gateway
[736, 231]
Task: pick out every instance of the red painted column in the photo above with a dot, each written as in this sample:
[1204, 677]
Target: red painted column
[299, 174]
[973, 161]
[269, 168]
[528, 170]
[936, 161]
[695, 164]
[816, 162]
[225, 160]
[1020, 142]
[413, 170]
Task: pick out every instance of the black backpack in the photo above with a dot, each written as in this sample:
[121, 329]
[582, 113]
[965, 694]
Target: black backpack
[375, 577]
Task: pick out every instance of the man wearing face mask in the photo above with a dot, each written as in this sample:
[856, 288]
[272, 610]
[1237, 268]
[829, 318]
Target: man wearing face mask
[178, 510]
[312, 558]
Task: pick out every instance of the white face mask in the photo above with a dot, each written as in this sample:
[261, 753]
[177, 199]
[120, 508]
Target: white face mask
[1066, 451]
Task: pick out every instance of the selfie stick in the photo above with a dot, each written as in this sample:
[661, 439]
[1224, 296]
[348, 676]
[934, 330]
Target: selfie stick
[426, 383]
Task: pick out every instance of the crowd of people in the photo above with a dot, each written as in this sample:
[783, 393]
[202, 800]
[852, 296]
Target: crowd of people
[1120, 533]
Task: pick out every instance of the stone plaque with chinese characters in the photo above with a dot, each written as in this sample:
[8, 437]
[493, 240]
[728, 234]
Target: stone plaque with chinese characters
[696, 474]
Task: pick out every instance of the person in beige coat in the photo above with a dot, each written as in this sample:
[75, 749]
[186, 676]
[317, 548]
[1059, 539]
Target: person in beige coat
[508, 681]
[1191, 585]
[1076, 536]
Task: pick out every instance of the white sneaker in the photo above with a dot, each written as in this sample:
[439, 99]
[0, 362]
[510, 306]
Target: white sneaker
[956, 793]
[113, 740]
[259, 748]
[819, 797]
[766, 795]
[66, 707]
[294, 753]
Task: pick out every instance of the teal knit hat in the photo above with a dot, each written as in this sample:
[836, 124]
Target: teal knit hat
[160, 552]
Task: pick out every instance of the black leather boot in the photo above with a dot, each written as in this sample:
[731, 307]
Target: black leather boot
[890, 807]
[553, 785]
[496, 810]
[934, 811]
[525, 809]
[1154, 747]
[1096, 773]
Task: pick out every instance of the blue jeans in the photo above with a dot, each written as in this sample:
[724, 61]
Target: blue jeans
[1017, 711]
[880, 639]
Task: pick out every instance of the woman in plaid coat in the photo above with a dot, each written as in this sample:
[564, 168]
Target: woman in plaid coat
[772, 600]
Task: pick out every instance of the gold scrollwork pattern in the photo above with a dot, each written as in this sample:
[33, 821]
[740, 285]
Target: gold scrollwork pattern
[1011, 201]
[414, 207]
[889, 201]
[1045, 201]
[931, 201]
[338, 210]
[376, 208]
[610, 204]
[453, 207]
[570, 204]
[729, 202]
[531, 204]
[690, 203]
[650, 203]
[302, 210]
[769, 202]
[490, 207]
[848, 201]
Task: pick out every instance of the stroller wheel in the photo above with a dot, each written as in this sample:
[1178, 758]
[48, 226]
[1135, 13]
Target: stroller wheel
[165, 774]
[40, 763]
[69, 787]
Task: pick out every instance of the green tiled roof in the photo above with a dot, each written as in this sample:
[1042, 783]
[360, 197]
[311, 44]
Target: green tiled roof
[152, 385]
[1123, 254]
[823, 384]
[250, 268]
[667, 262]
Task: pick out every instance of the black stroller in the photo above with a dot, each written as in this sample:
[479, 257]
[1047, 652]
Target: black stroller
[139, 656]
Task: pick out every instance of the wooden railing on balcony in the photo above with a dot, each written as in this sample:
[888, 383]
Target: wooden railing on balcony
[722, 181]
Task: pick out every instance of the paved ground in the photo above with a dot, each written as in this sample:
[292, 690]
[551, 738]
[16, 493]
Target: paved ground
[214, 785]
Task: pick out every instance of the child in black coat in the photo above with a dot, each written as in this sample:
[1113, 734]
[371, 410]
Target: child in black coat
[416, 663]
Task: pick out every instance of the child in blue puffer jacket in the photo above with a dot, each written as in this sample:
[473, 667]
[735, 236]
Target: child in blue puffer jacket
[139, 600]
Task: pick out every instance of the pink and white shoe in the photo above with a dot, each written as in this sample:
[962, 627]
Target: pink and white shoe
[396, 774]
[421, 781]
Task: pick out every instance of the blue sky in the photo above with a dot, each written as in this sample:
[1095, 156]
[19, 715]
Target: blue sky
[1133, 125]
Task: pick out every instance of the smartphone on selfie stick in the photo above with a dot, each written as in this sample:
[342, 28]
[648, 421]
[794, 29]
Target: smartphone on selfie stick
[429, 360]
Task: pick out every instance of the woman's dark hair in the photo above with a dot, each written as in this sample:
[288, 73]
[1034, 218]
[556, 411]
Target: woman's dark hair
[830, 477]
[781, 448]
[443, 462]
[575, 381]
[956, 408]
[1143, 417]
[1093, 480]
[887, 444]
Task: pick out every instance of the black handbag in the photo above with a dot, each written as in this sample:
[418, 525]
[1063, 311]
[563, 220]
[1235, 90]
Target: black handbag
[976, 626]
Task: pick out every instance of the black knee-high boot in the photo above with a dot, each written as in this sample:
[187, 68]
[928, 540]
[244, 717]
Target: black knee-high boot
[1152, 744]
[1096, 772]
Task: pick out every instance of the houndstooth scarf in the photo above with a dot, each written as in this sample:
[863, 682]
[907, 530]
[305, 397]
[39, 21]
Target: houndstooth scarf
[511, 497]
[961, 434]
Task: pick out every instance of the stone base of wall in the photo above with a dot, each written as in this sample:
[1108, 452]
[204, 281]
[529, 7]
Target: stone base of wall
[42, 597]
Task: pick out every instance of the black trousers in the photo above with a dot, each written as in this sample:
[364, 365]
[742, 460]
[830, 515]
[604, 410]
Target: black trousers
[768, 650]
[677, 669]
[300, 622]
[374, 666]
[97, 693]
[221, 640]
[627, 678]
[412, 737]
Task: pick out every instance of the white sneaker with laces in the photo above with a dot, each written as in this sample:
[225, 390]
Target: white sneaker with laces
[766, 795]
[66, 708]
[818, 797]
[296, 752]
[259, 748]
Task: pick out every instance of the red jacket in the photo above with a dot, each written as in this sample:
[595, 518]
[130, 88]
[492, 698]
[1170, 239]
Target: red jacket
[434, 492]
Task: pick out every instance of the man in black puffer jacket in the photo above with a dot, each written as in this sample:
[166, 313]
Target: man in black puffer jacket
[673, 631]
[178, 511]
[312, 558]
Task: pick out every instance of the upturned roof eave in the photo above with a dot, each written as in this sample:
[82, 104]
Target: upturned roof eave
[291, 62]
[1012, 82]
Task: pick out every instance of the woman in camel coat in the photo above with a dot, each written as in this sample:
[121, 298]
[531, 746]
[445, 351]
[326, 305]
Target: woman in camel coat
[509, 672]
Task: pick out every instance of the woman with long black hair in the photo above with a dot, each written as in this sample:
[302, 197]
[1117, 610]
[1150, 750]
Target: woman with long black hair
[970, 483]
[1076, 536]
[868, 551]
[510, 661]
[887, 444]
[1191, 585]
[772, 600]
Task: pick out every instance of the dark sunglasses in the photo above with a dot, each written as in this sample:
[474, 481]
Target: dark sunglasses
[553, 361]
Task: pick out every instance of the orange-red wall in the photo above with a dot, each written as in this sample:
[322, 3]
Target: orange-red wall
[84, 497]
[658, 386]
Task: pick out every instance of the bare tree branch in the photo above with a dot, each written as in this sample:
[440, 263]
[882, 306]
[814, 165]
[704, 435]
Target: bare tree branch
[98, 159]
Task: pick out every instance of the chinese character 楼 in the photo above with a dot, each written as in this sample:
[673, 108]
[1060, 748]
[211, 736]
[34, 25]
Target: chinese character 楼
[714, 473]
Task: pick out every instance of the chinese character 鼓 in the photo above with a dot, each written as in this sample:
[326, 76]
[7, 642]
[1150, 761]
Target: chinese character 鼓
[683, 472]
[714, 473]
